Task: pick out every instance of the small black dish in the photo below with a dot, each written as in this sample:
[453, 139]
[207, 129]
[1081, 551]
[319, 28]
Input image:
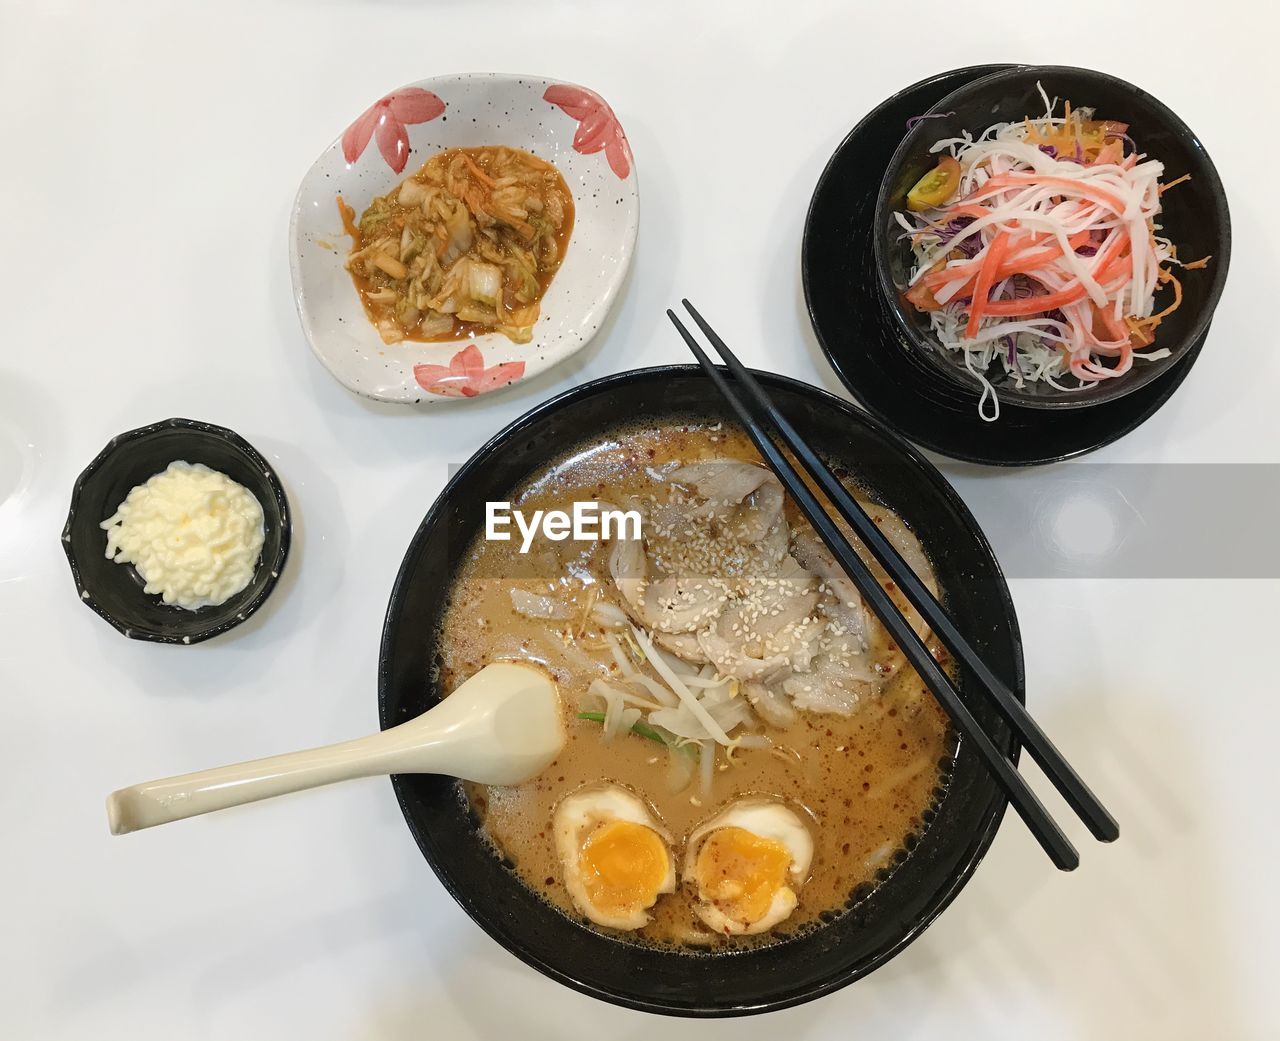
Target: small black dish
[114, 590]
[668, 981]
[1194, 216]
[867, 347]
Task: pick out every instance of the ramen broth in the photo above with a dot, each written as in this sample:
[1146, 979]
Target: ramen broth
[863, 783]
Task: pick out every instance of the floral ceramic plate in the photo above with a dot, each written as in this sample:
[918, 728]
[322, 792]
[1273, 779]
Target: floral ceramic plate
[569, 126]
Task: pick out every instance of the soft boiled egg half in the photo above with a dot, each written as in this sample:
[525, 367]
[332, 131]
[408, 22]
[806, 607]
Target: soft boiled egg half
[746, 864]
[616, 858]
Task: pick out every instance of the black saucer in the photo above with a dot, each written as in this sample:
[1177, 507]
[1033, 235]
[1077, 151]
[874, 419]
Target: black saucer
[116, 592]
[866, 348]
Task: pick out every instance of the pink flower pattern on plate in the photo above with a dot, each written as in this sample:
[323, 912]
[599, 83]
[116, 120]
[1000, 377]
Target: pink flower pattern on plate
[598, 127]
[388, 118]
[465, 376]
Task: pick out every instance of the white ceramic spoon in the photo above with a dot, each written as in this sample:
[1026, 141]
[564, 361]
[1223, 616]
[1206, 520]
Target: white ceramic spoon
[502, 726]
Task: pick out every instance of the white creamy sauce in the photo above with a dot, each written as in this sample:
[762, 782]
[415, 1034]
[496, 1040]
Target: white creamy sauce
[192, 533]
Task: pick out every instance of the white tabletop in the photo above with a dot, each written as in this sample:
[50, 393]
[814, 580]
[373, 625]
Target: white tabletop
[152, 152]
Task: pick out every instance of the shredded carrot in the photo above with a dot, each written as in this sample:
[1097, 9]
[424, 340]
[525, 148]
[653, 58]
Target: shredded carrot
[1196, 265]
[479, 174]
[1173, 184]
[1140, 335]
[349, 222]
[1168, 276]
[1143, 329]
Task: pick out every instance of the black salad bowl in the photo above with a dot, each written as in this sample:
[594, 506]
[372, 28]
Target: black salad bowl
[876, 925]
[114, 590]
[1194, 216]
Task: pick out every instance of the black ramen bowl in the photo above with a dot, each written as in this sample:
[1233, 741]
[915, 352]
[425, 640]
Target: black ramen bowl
[114, 590]
[880, 923]
[1194, 216]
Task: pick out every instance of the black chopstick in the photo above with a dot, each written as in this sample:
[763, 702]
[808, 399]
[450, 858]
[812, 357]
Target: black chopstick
[1024, 800]
[1068, 783]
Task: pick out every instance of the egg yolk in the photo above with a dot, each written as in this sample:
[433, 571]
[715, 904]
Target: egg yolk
[740, 872]
[623, 865]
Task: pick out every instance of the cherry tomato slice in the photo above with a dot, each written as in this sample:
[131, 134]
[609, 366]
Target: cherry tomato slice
[935, 187]
[921, 297]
